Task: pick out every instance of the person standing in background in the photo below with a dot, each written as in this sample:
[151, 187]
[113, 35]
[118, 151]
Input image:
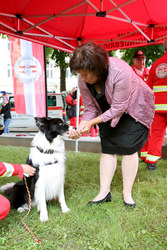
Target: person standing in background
[71, 100]
[157, 81]
[6, 108]
[138, 66]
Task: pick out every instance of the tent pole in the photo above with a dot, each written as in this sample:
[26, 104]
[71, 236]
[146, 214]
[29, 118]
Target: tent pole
[44, 47]
[77, 107]
[78, 104]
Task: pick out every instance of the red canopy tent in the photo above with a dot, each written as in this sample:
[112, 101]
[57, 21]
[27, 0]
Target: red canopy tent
[62, 24]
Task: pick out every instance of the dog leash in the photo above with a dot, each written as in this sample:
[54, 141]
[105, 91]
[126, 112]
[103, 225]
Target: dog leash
[29, 196]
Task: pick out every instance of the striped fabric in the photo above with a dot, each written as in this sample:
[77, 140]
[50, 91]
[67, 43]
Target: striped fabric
[161, 107]
[6, 169]
[159, 88]
[152, 158]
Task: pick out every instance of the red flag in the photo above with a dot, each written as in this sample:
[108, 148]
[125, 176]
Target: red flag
[27, 60]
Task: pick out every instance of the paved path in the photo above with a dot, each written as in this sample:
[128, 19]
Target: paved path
[84, 144]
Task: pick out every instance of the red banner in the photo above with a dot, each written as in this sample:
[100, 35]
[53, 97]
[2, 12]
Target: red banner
[27, 61]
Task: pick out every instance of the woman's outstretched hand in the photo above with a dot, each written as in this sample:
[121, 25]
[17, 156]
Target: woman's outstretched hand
[74, 134]
[84, 127]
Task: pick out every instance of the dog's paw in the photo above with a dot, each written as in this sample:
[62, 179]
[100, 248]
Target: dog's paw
[38, 208]
[25, 206]
[20, 210]
[65, 210]
[43, 217]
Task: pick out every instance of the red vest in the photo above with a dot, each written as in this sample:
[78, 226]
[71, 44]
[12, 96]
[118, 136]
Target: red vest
[157, 81]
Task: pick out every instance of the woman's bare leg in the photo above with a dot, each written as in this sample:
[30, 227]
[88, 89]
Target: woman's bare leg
[129, 171]
[107, 169]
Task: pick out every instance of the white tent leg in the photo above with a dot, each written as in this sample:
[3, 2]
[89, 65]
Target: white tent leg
[77, 111]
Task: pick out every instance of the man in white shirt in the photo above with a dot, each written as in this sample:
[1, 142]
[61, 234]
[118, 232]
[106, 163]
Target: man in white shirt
[138, 66]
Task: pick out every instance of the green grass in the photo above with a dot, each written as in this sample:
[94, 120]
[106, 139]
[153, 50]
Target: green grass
[106, 226]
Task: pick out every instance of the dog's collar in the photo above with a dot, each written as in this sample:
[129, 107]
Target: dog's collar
[49, 151]
[50, 163]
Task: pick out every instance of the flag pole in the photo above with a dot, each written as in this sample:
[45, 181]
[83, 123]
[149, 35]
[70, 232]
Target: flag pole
[45, 81]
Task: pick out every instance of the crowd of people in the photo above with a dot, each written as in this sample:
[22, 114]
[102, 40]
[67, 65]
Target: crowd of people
[129, 106]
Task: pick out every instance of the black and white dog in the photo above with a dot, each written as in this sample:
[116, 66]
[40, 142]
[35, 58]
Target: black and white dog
[47, 154]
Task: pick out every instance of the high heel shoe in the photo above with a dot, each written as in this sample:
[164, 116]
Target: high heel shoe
[130, 205]
[106, 199]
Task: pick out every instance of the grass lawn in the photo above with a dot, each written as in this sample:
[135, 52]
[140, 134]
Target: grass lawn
[106, 226]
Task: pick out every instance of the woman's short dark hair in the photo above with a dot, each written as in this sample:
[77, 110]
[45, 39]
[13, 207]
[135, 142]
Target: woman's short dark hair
[91, 57]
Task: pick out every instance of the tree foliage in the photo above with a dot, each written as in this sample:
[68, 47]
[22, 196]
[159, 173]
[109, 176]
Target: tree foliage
[112, 53]
[60, 58]
[3, 36]
[152, 53]
[48, 53]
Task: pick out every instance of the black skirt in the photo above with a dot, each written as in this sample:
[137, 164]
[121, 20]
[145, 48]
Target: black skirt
[126, 138]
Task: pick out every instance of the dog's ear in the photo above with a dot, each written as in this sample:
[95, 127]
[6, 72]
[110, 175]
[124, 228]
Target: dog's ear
[41, 123]
[41, 120]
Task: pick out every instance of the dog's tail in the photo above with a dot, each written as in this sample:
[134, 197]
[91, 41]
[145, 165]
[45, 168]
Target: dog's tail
[7, 188]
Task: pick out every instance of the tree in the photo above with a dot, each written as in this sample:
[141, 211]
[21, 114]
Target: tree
[60, 61]
[152, 53]
[112, 53]
[48, 53]
[3, 36]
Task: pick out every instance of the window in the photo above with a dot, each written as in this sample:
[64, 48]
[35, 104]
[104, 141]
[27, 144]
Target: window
[47, 73]
[8, 72]
[68, 73]
[51, 101]
[51, 74]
